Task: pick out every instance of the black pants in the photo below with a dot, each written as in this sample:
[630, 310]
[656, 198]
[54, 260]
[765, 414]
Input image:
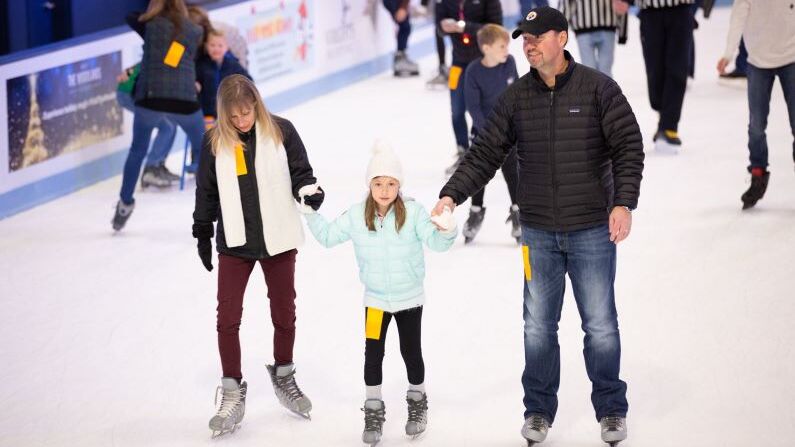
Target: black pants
[510, 171]
[409, 323]
[667, 36]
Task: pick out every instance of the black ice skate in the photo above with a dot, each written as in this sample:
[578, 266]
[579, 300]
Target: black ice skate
[473, 223]
[153, 176]
[123, 212]
[614, 429]
[667, 142]
[757, 190]
[535, 429]
[516, 228]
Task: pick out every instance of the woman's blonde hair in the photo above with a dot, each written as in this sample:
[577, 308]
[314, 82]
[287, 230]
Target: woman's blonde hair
[371, 208]
[173, 10]
[237, 92]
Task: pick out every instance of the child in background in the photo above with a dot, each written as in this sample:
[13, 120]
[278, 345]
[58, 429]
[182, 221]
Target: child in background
[214, 64]
[387, 233]
[253, 170]
[486, 78]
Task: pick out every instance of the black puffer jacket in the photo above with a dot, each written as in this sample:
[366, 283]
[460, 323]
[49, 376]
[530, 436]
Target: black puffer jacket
[579, 148]
[208, 206]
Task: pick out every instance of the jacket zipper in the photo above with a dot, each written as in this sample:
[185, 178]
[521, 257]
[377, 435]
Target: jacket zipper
[552, 157]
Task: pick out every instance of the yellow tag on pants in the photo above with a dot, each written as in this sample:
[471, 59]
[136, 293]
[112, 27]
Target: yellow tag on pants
[454, 76]
[240, 161]
[174, 54]
[372, 326]
[528, 271]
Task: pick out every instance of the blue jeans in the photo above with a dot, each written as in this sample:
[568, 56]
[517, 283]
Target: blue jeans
[760, 86]
[144, 122]
[589, 258]
[527, 5]
[596, 50]
[166, 132]
[458, 108]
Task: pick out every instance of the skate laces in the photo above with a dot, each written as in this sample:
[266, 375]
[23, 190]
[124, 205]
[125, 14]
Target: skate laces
[417, 409]
[612, 423]
[537, 423]
[288, 386]
[230, 400]
[374, 418]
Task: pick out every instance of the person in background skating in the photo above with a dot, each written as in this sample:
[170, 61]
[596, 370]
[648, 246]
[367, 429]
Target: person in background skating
[666, 29]
[387, 233]
[215, 63]
[402, 65]
[486, 78]
[155, 171]
[578, 180]
[595, 24]
[769, 37]
[165, 88]
[254, 168]
[438, 82]
[235, 42]
[462, 19]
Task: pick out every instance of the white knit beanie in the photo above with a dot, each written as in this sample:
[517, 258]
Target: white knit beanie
[384, 163]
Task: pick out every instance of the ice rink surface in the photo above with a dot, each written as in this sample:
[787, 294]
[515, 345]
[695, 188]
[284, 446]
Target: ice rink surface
[110, 340]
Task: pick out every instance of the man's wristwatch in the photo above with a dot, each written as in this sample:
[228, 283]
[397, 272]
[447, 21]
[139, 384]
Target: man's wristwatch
[629, 210]
[461, 25]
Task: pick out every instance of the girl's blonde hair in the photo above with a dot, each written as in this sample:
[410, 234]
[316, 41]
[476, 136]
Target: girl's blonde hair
[237, 92]
[173, 10]
[371, 207]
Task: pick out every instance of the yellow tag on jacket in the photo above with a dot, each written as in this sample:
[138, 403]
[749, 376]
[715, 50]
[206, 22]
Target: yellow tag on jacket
[240, 161]
[174, 54]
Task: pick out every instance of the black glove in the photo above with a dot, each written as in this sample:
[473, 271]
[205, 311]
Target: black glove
[204, 233]
[316, 199]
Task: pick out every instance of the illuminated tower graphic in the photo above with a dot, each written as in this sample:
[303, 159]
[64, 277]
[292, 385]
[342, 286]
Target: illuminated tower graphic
[33, 151]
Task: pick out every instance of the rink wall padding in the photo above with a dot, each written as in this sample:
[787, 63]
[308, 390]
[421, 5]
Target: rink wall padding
[62, 130]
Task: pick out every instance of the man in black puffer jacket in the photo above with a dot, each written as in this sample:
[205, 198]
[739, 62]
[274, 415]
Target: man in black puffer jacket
[580, 155]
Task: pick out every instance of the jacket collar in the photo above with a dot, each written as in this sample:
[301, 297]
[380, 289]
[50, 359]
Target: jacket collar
[561, 79]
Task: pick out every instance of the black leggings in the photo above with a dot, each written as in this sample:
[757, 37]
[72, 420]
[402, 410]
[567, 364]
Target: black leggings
[510, 173]
[409, 323]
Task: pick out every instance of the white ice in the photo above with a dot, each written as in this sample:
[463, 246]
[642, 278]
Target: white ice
[110, 340]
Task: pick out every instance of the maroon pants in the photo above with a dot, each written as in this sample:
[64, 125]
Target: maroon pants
[233, 274]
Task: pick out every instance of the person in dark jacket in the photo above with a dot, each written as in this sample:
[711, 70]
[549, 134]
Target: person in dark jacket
[165, 88]
[461, 20]
[254, 169]
[215, 63]
[580, 155]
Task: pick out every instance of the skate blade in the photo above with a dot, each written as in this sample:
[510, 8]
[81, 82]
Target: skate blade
[306, 416]
[220, 433]
[417, 436]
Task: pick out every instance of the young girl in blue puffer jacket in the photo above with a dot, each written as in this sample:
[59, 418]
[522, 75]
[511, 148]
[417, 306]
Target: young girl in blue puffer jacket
[387, 233]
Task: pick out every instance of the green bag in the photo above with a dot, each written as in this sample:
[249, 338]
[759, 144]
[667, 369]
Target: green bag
[129, 84]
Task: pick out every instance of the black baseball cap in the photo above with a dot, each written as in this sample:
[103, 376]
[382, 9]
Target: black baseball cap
[540, 20]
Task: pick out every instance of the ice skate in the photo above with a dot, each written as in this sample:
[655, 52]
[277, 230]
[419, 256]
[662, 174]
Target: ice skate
[535, 429]
[418, 413]
[516, 227]
[614, 429]
[153, 176]
[165, 173]
[667, 142]
[438, 82]
[759, 179]
[473, 223]
[374, 412]
[123, 212]
[287, 391]
[232, 409]
[459, 155]
[403, 66]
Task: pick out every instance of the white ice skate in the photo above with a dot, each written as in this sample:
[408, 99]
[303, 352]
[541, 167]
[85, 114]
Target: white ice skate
[232, 409]
[287, 391]
[418, 413]
[535, 429]
[614, 429]
[374, 417]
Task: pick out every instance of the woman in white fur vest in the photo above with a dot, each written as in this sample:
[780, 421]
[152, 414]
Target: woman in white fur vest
[253, 174]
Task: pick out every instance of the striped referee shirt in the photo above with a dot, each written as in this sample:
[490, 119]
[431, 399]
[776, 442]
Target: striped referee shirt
[591, 15]
[656, 4]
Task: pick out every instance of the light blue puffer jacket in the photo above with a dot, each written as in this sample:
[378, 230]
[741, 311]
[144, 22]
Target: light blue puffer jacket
[391, 264]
